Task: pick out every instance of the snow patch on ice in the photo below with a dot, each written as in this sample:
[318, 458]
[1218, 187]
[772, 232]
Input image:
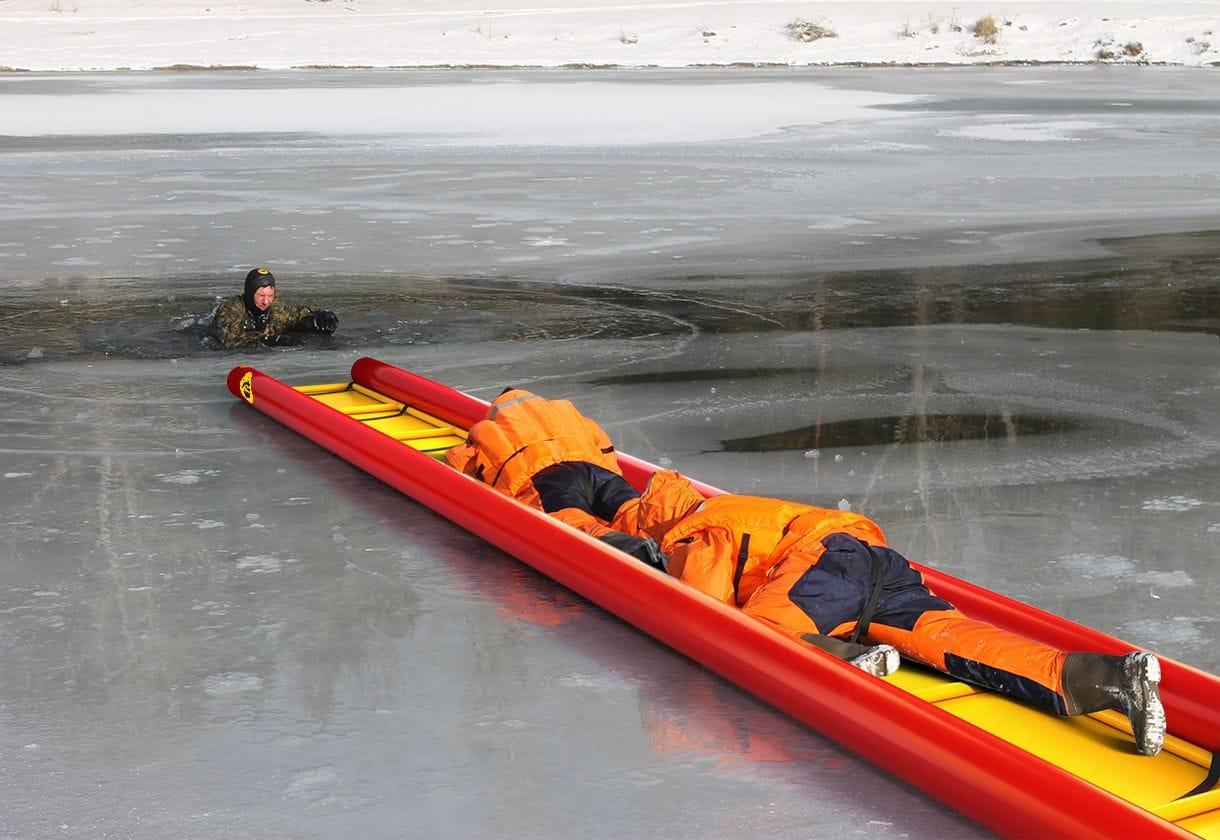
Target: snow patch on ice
[311, 781]
[1172, 504]
[185, 477]
[259, 564]
[1024, 132]
[234, 682]
[594, 682]
[1183, 631]
[1112, 566]
[205, 524]
[17, 474]
[583, 113]
[837, 222]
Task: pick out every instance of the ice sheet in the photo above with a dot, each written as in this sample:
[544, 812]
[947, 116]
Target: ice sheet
[211, 628]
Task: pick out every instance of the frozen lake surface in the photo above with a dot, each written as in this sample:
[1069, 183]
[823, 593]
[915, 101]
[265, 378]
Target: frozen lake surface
[980, 306]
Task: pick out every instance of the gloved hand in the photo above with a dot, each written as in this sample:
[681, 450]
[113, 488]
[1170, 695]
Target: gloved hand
[325, 321]
[281, 340]
[645, 550]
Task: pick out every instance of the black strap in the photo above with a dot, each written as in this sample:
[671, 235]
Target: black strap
[866, 615]
[741, 563]
[500, 471]
[1209, 781]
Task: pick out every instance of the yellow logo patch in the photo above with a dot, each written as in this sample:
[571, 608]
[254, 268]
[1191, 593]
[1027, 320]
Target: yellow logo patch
[246, 386]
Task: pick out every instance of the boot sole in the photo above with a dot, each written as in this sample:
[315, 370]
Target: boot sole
[1145, 672]
[880, 661]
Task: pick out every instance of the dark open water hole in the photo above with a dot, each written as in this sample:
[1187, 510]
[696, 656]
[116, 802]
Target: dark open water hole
[1169, 282]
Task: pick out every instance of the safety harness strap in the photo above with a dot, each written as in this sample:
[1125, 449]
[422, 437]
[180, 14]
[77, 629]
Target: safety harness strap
[742, 556]
[874, 598]
[1209, 781]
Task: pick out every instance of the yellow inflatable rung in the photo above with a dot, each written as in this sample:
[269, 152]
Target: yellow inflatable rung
[1191, 806]
[326, 388]
[420, 434]
[948, 691]
[440, 424]
[378, 408]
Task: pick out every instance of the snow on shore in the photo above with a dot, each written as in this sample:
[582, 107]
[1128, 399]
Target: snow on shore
[281, 34]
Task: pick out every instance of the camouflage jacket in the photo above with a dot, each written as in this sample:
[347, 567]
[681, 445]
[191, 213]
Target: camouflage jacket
[234, 327]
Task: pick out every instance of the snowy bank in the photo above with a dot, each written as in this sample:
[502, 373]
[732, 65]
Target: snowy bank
[282, 34]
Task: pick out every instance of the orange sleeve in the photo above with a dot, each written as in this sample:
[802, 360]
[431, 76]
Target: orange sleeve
[582, 521]
[462, 458]
[706, 563]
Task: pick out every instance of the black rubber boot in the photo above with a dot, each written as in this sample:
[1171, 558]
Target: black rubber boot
[1093, 682]
[878, 660]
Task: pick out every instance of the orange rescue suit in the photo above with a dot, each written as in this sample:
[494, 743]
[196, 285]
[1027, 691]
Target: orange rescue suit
[523, 435]
[792, 566]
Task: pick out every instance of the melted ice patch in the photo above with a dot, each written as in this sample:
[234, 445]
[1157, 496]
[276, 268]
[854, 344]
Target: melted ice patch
[1172, 504]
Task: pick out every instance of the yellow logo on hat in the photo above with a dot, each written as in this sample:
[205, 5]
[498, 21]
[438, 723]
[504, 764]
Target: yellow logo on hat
[262, 270]
[247, 387]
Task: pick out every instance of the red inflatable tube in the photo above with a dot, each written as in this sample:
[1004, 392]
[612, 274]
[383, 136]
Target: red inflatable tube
[984, 777]
[1191, 696]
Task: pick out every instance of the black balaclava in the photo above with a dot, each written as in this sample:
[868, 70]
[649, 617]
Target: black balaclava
[255, 280]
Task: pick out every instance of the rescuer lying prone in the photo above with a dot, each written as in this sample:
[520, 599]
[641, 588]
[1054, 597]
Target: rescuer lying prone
[825, 577]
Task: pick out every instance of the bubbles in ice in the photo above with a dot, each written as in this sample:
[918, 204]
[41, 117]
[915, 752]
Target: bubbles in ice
[17, 474]
[813, 454]
[1174, 504]
[665, 461]
[844, 504]
[205, 524]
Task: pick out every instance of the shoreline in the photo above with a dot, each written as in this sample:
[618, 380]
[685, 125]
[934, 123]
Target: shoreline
[738, 65]
[104, 35]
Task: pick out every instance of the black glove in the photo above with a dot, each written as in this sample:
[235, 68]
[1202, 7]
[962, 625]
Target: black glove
[281, 340]
[325, 321]
[645, 550]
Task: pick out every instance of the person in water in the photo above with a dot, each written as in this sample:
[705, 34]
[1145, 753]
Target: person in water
[825, 577]
[257, 317]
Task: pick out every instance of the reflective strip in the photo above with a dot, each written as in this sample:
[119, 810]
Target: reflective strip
[495, 409]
